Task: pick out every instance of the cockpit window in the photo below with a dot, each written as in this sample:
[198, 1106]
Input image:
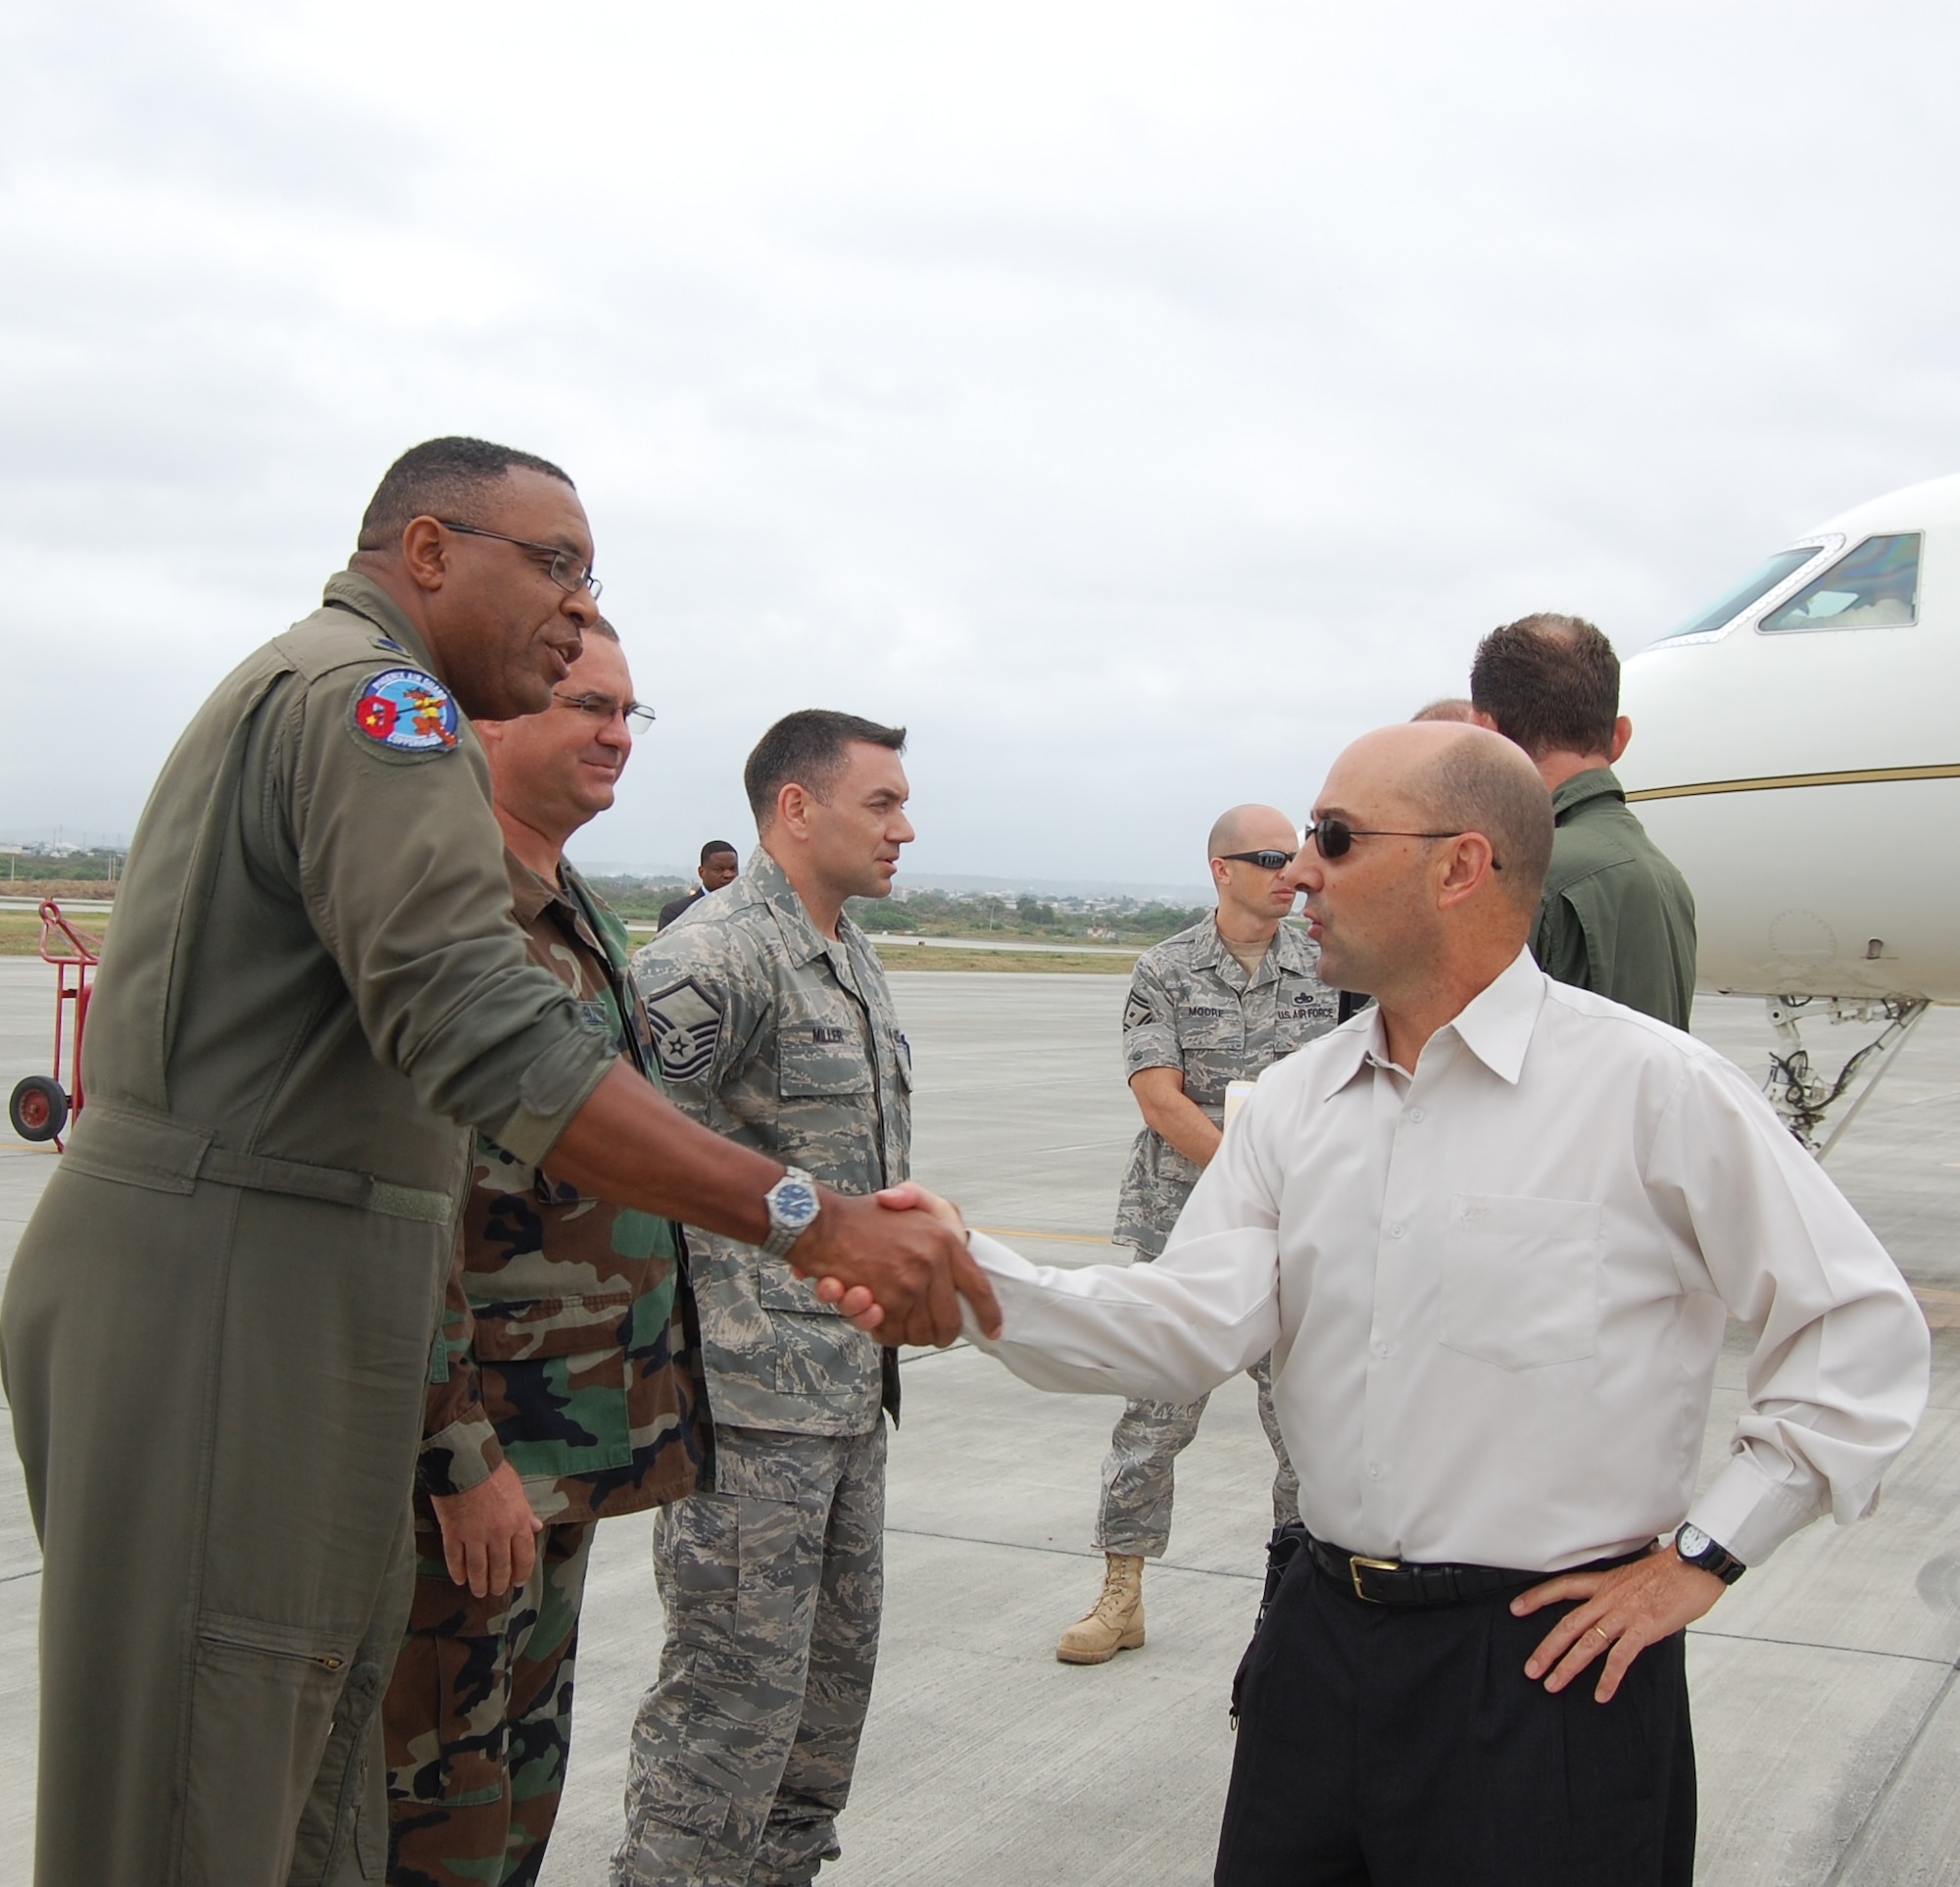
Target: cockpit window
[1875, 586]
[1758, 583]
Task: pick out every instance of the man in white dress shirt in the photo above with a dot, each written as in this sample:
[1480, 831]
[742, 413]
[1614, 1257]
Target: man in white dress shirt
[1491, 1231]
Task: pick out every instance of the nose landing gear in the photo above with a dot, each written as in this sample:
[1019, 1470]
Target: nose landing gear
[1803, 1097]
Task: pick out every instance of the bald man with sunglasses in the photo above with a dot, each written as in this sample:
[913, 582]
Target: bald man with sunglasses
[1493, 1235]
[1215, 1004]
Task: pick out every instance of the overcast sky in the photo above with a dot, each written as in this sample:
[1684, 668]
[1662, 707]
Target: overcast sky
[1137, 401]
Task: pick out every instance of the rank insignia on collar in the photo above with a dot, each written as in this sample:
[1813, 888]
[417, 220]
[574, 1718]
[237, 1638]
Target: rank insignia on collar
[408, 712]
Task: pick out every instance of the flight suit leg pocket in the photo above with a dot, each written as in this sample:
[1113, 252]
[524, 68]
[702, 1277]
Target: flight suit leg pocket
[262, 1703]
[1521, 1279]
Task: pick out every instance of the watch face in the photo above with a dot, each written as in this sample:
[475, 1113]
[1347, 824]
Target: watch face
[793, 1203]
[1692, 1543]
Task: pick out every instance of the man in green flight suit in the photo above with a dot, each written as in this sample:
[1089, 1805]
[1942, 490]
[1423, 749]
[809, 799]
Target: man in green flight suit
[1616, 917]
[567, 1388]
[217, 1328]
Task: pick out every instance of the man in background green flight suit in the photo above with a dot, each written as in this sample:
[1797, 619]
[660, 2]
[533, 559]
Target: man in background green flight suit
[216, 1330]
[1616, 917]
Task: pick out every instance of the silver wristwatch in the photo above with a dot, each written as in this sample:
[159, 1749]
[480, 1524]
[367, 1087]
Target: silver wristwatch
[793, 1207]
[1696, 1548]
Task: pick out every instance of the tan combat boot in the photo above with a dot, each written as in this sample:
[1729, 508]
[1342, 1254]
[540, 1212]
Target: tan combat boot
[1115, 1622]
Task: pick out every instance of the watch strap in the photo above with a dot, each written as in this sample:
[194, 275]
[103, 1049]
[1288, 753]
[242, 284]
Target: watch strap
[784, 1232]
[1713, 1558]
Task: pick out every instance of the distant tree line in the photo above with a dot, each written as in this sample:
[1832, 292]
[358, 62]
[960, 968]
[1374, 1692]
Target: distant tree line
[942, 914]
[639, 900]
[96, 866]
[926, 912]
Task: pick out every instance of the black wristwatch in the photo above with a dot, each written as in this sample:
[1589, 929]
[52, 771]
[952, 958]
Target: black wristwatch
[1696, 1548]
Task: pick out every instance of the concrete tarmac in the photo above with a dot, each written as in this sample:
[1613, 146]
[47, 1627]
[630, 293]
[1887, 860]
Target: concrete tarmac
[1826, 1713]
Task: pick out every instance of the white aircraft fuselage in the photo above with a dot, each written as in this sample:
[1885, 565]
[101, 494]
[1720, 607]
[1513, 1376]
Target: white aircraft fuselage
[1796, 752]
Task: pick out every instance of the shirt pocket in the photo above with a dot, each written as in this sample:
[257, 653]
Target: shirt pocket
[821, 1060]
[1521, 1279]
[778, 1288]
[1302, 1016]
[1217, 1029]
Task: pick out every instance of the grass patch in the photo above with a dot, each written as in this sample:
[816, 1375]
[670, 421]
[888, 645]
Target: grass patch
[21, 931]
[1065, 963]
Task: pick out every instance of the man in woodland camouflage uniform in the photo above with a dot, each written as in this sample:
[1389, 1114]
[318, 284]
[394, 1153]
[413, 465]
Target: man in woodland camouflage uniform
[1215, 1004]
[775, 1026]
[565, 1388]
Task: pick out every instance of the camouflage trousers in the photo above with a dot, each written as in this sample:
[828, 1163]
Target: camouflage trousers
[1133, 1516]
[478, 1716]
[742, 1753]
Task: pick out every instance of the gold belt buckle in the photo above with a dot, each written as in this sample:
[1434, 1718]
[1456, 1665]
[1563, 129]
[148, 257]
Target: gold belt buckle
[1356, 1560]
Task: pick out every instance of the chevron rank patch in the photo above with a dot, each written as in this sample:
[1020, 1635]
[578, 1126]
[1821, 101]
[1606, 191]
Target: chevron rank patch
[406, 712]
[1137, 1011]
[686, 1025]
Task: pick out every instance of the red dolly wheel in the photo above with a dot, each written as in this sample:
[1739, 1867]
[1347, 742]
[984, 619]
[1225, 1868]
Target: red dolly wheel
[37, 1108]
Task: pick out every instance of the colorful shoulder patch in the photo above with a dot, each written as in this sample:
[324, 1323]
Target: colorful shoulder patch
[408, 712]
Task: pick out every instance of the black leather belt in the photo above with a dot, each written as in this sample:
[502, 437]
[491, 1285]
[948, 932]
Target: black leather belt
[1402, 1582]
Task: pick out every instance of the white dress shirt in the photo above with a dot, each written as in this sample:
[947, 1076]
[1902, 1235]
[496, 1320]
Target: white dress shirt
[1495, 1291]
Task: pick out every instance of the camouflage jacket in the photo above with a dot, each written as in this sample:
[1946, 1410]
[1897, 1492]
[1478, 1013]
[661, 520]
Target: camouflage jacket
[1192, 1008]
[780, 1039]
[566, 1346]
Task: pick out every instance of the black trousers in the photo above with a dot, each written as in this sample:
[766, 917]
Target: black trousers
[1404, 1747]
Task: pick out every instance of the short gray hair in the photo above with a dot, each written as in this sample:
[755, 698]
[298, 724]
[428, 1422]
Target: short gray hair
[1482, 783]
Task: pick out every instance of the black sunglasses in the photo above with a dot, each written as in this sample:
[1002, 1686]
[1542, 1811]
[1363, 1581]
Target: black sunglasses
[1332, 838]
[1267, 860]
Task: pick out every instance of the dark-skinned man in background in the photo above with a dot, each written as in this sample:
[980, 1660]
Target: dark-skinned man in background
[719, 863]
[217, 1327]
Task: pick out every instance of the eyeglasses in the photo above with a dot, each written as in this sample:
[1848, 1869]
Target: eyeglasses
[1332, 837]
[565, 569]
[638, 715]
[1267, 860]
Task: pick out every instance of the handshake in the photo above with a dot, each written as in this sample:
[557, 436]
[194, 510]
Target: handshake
[896, 1265]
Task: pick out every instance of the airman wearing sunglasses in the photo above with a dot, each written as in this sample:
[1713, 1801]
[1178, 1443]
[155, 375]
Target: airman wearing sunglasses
[1215, 1004]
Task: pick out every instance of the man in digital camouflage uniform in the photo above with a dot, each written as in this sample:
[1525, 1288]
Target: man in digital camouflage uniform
[1215, 1004]
[774, 1026]
[217, 1327]
[567, 1386]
